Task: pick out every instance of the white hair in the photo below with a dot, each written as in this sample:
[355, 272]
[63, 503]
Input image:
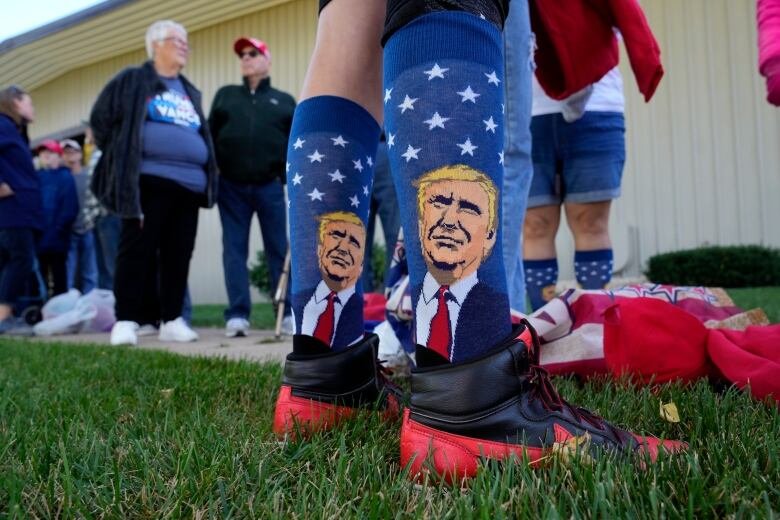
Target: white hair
[158, 31]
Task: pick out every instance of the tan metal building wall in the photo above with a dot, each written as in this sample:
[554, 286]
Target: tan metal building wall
[703, 160]
[289, 30]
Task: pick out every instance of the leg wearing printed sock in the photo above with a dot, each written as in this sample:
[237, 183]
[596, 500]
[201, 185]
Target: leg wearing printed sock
[539, 256]
[330, 159]
[541, 277]
[593, 268]
[333, 145]
[443, 102]
[593, 250]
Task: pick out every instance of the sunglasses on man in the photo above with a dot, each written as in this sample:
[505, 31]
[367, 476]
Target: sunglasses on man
[252, 54]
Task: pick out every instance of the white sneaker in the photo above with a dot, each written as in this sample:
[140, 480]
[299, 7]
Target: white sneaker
[236, 327]
[177, 330]
[288, 326]
[146, 330]
[124, 333]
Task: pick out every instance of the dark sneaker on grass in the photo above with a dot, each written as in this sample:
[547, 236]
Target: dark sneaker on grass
[500, 406]
[321, 388]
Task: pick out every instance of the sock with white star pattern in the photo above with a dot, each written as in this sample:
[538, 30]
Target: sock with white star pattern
[540, 279]
[330, 158]
[593, 268]
[444, 123]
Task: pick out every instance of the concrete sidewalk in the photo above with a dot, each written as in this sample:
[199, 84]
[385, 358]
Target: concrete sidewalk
[260, 345]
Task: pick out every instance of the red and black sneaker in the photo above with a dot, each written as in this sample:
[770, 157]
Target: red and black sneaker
[499, 406]
[321, 388]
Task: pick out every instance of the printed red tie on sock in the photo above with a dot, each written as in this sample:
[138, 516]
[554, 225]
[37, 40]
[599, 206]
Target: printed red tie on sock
[324, 329]
[440, 336]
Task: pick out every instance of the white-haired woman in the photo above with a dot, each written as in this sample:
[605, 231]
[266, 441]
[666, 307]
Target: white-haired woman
[156, 170]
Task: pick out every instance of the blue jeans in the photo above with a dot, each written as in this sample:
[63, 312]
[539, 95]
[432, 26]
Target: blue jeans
[107, 229]
[186, 308]
[518, 167]
[238, 202]
[578, 162]
[17, 257]
[82, 260]
[385, 204]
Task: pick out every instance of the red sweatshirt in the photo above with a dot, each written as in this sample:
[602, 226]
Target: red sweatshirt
[576, 44]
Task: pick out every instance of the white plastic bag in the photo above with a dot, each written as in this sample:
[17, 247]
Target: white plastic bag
[61, 304]
[105, 318]
[70, 322]
[93, 312]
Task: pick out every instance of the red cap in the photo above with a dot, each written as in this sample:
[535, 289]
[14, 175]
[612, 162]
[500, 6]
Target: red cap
[51, 145]
[244, 42]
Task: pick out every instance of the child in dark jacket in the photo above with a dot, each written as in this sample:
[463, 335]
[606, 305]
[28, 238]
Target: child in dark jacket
[60, 209]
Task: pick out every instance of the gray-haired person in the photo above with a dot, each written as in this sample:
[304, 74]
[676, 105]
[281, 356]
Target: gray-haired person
[21, 211]
[156, 170]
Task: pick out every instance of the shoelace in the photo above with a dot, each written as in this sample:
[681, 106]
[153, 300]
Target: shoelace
[385, 374]
[545, 390]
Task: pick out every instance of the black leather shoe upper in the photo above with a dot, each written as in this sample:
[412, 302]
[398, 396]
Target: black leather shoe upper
[504, 397]
[350, 377]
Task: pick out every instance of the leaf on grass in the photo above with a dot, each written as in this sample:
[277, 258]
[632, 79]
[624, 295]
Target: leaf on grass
[166, 393]
[669, 412]
[575, 447]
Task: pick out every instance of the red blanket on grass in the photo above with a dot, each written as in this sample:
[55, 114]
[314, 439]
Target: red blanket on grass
[654, 340]
[659, 333]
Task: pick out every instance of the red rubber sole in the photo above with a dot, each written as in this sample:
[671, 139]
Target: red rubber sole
[453, 457]
[299, 415]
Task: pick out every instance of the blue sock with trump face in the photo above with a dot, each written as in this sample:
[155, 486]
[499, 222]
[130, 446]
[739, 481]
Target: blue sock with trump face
[330, 172]
[443, 102]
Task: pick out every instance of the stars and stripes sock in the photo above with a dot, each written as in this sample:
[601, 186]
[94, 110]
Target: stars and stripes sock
[330, 170]
[443, 99]
[593, 268]
[540, 279]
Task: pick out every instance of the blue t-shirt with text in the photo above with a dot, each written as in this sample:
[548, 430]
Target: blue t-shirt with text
[173, 147]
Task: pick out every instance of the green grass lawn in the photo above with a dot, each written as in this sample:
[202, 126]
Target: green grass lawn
[90, 431]
[211, 315]
[768, 298]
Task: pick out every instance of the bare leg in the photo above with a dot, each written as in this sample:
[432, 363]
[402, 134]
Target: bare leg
[593, 257]
[590, 225]
[347, 58]
[539, 230]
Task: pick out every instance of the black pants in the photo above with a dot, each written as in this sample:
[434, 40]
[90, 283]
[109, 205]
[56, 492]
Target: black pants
[53, 267]
[153, 260]
[17, 253]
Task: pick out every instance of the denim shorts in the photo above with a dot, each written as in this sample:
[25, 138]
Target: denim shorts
[577, 162]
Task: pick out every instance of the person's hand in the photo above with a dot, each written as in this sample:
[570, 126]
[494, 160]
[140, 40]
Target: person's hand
[5, 190]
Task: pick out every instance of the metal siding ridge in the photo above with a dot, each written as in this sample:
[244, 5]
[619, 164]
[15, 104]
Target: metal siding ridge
[66, 47]
[59, 25]
[67, 51]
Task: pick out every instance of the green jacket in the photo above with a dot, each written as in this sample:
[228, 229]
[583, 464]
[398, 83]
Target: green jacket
[250, 132]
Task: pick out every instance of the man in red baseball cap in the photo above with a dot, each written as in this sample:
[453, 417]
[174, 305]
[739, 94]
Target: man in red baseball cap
[250, 124]
[241, 44]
